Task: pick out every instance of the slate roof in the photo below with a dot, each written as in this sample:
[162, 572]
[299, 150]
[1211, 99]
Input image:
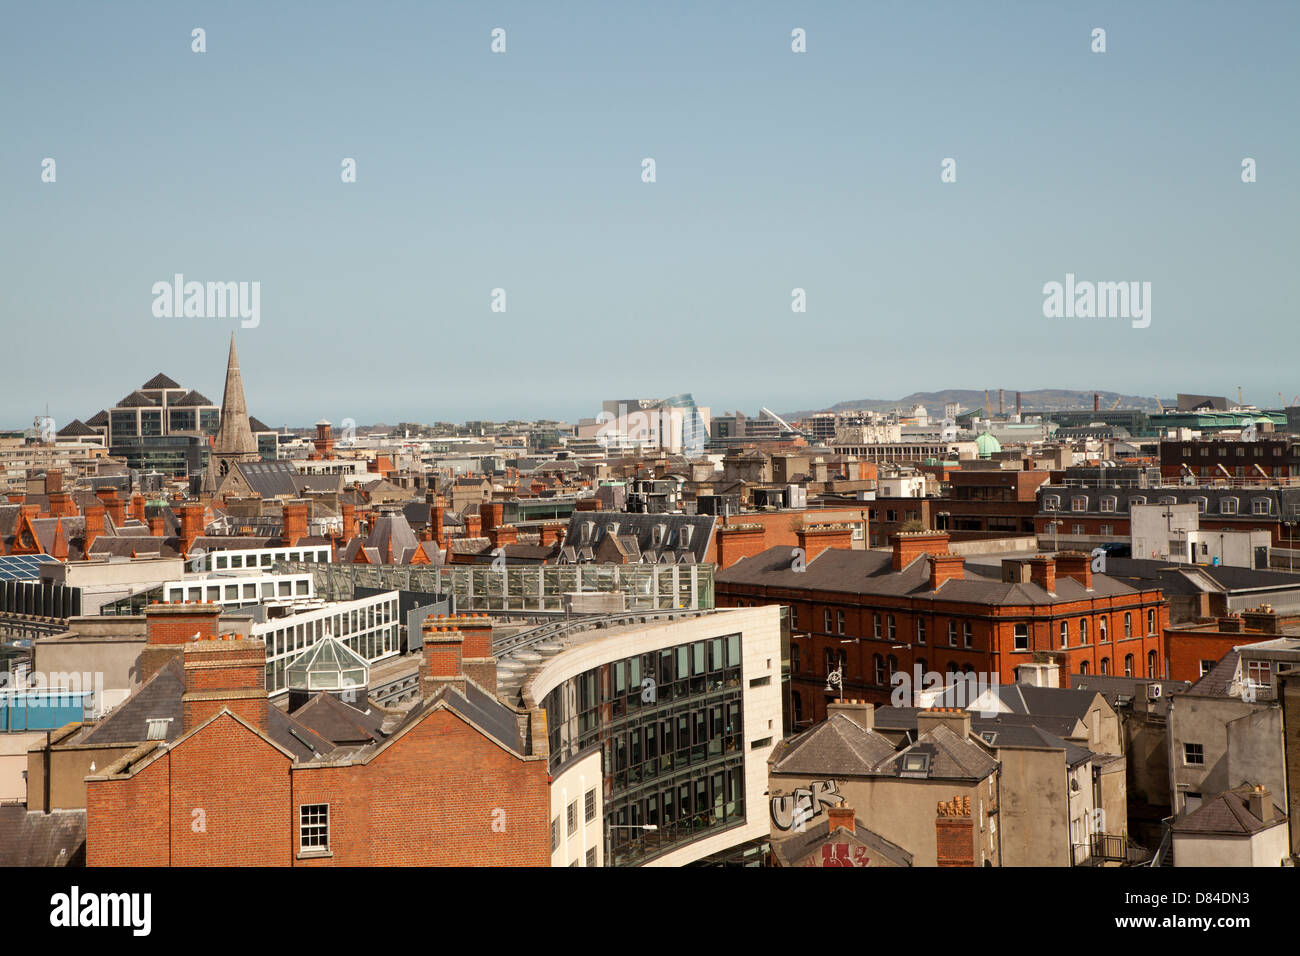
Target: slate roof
[160, 381]
[75, 429]
[636, 534]
[158, 697]
[193, 399]
[137, 400]
[99, 418]
[1228, 813]
[42, 839]
[794, 848]
[839, 744]
[339, 722]
[257, 425]
[1217, 681]
[270, 479]
[1119, 690]
[951, 757]
[871, 572]
[477, 706]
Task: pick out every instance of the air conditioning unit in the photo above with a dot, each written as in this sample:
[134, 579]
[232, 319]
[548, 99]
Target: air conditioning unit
[1154, 691]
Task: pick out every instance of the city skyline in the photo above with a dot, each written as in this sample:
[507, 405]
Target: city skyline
[820, 171]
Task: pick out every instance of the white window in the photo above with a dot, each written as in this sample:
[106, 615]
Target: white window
[1259, 506]
[967, 632]
[1108, 503]
[952, 633]
[1201, 504]
[1065, 633]
[1022, 637]
[314, 826]
[1227, 506]
[1051, 502]
[1135, 500]
[1079, 503]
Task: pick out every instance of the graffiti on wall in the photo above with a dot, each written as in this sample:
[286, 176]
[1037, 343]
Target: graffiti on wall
[795, 810]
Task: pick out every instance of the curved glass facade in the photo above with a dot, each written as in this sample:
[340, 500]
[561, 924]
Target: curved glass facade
[669, 724]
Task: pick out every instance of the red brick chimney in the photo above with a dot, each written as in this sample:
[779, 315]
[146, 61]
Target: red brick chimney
[158, 526]
[94, 526]
[349, 521]
[441, 657]
[494, 515]
[227, 671]
[815, 538]
[169, 627]
[503, 534]
[477, 661]
[473, 526]
[736, 541]
[840, 816]
[191, 526]
[548, 534]
[946, 567]
[1077, 565]
[17, 497]
[113, 505]
[295, 522]
[910, 545]
[61, 504]
[137, 508]
[1042, 571]
[53, 481]
[954, 832]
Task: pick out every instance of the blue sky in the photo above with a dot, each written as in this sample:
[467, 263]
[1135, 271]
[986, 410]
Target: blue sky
[522, 171]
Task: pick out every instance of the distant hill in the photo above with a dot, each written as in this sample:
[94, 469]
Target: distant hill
[1039, 400]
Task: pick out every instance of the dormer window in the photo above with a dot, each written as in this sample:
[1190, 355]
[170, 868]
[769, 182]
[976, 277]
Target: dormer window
[684, 536]
[1227, 506]
[157, 728]
[1108, 503]
[1259, 506]
[916, 763]
[1050, 503]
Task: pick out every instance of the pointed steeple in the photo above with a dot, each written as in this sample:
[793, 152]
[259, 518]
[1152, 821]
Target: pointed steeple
[234, 436]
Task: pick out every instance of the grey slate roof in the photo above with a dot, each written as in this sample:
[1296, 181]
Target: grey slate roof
[339, 722]
[158, 697]
[42, 839]
[193, 399]
[75, 429]
[1228, 813]
[1218, 679]
[271, 479]
[794, 848]
[952, 758]
[137, 400]
[871, 572]
[836, 745]
[477, 706]
[160, 381]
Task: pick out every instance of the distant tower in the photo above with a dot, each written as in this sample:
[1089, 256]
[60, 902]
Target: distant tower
[324, 440]
[234, 441]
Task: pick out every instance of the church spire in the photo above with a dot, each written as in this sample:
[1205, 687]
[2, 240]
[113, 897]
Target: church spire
[234, 436]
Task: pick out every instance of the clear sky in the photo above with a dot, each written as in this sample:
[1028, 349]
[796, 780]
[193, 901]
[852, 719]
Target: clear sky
[522, 171]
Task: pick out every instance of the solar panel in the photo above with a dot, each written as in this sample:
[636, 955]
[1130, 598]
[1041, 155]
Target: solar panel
[23, 567]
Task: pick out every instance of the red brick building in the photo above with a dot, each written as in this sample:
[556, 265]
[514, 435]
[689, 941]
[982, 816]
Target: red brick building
[1194, 649]
[879, 613]
[455, 783]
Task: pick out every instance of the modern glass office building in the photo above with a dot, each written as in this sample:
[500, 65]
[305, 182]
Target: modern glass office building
[669, 717]
[670, 724]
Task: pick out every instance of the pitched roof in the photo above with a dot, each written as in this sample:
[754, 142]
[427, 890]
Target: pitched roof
[99, 418]
[1228, 814]
[137, 400]
[192, 399]
[1217, 681]
[159, 697]
[74, 429]
[871, 572]
[792, 849]
[838, 745]
[339, 722]
[160, 381]
[42, 839]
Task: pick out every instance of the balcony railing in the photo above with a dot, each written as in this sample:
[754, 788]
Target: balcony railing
[1101, 848]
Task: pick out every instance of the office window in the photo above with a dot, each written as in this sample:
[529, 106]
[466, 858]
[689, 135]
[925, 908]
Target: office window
[794, 616]
[1022, 637]
[920, 630]
[1151, 663]
[555, 834]
[875, 625]
[952, 633]
[893, 630]
[1128, 624]
[880, 668]
[839, 622]
[314, 826]
[1151, 621]
[826, 620]
[1128, 665]
[589, 805]
[967, 633]
[1193, 754]
[1065, 633]
[572, 819]
[1083, 630]
[591, 857]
